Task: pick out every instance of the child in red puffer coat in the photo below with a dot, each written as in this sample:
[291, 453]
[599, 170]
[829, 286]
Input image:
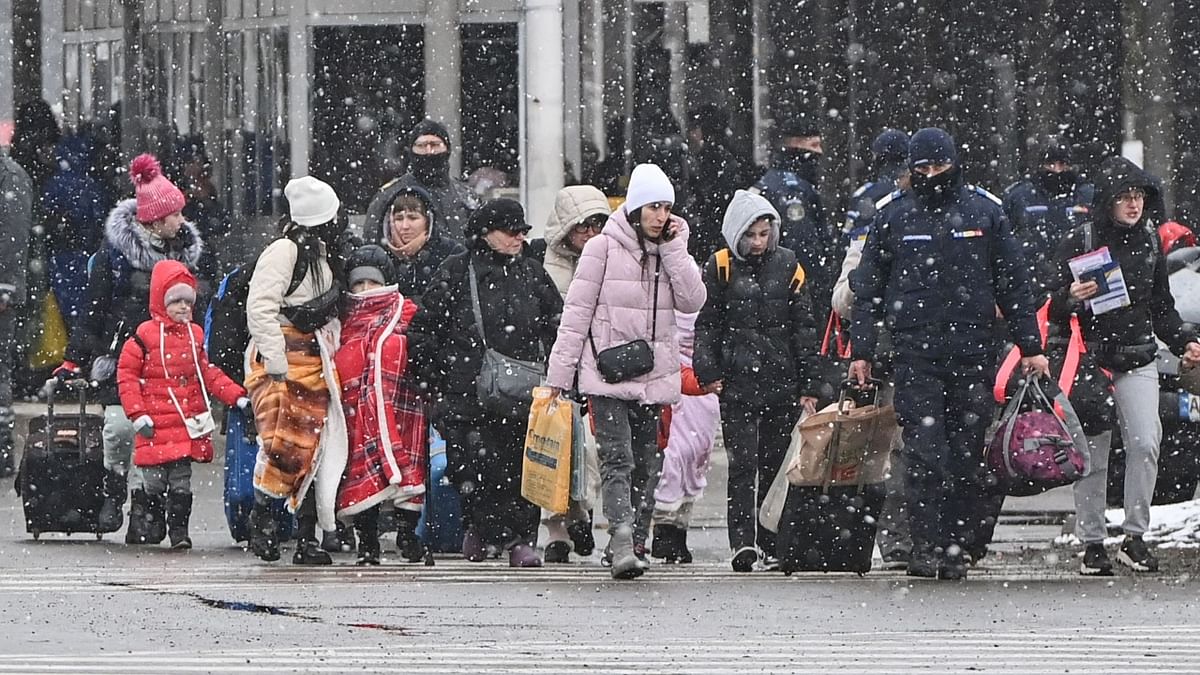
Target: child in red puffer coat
[164, 379]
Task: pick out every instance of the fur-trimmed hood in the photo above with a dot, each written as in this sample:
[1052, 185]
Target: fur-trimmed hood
[124, 233]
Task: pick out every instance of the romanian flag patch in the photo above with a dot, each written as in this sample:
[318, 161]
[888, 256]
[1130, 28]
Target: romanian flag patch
[968, 234]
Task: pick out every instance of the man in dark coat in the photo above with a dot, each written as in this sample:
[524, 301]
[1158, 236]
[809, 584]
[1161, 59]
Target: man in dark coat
[791, 187]
[938, 267]
[16, 221]
[716, 174]
[428, 167]
[1045, 206]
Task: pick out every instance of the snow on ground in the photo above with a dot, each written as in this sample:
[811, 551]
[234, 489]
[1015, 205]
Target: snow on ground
[1171, 525]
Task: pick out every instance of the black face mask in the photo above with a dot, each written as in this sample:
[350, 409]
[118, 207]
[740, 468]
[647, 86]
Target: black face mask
[935, 188]
[1055, 183]
[804, 163]
[430, 169]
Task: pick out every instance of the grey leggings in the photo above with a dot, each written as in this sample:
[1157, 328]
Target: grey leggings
[118, 445]
[1136, 394]
[170, 477]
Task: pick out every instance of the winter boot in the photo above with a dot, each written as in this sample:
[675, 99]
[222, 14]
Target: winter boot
[408, 544]
[685, 554]
[558, 551]
[666, 543]
[744, 558]
[582, 537]
[523, 555]
[308, 550]
[136, 532]
[179, 512]
[367, 524]
[8, 465]
[340, 540]
[111, 517]
[473, 548]
[264, 530]
[156, 518]
[625, 565]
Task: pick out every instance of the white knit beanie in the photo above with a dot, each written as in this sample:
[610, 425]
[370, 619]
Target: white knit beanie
[648, 184]
[312, 202]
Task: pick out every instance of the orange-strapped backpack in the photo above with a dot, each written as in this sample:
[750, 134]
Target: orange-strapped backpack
[725, 270]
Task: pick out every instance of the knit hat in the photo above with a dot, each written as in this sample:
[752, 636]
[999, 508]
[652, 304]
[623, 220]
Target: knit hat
[497, 214]
[180, 292]
[428, 127]
[648, 184]
[312, 201]
[1056, 151]
[372, 263]
[890, 147]
[931, 146]
[157, 197]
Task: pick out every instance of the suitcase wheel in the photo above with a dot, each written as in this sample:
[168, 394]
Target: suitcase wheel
[787, 573]
[36, 534]
[100, 537]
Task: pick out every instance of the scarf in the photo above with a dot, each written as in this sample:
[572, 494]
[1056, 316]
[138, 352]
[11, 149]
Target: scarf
[411, 248]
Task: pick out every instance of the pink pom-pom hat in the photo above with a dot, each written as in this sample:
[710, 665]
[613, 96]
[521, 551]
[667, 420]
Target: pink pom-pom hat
[157, 197]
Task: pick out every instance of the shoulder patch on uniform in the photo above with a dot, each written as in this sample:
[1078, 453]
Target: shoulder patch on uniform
[390, 183]
[891, 197]
[1012, 187]
[984, 193]
[724, 267]
[859, 192]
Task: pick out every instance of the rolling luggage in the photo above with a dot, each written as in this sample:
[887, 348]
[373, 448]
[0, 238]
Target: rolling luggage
[836, 490]
[61, 476]
[241, 451]
[440, 526]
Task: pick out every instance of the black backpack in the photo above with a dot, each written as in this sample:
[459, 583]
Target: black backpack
[225, 331]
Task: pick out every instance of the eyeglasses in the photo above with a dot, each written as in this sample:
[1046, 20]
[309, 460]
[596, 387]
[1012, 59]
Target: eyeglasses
[1134, 195]
[429, 146]
[588, 226]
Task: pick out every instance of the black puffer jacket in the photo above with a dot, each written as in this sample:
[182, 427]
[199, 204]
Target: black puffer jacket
[756, 332]
[414, 274]
[520, 308]
[1138, 251]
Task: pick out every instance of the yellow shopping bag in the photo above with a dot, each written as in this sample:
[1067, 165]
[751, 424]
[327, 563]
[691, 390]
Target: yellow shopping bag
[52, 347]
[546, 466]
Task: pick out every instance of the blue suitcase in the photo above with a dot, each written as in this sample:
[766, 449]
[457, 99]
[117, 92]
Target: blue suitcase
[240, 453]
[445, 535]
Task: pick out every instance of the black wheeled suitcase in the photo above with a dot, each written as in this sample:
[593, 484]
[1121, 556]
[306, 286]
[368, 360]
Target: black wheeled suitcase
[61, 476]
[829, 530]
[829, 519]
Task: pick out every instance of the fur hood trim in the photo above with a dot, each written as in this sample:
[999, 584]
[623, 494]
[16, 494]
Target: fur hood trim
[124, 233]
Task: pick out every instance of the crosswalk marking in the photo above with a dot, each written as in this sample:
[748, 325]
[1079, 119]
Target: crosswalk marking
[1170, 649]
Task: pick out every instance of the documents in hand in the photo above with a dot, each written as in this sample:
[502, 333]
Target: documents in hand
[1099, 266]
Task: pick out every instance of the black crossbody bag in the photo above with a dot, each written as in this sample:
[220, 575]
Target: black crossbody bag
[632, 359]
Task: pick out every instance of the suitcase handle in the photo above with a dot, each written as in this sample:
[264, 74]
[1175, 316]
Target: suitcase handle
[82, 385]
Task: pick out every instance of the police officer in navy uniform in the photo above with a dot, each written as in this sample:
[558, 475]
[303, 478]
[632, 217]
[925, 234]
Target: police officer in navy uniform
[791, 187]
[1044, 207]
[940, 264]
[889, 155]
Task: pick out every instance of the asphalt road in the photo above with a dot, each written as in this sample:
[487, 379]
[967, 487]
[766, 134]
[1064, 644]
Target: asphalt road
[75, 605]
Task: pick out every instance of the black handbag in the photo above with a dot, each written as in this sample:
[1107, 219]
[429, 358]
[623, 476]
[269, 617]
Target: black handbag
[632, 359]
[505, 385]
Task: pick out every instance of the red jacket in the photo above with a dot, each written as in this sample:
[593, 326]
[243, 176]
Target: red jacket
[160, 359]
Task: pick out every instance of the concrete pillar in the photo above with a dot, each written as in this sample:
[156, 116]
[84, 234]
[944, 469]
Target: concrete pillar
[52, 51]
[299, 83]
[215, 66]
[443, 67]
[572, 85]
[541, 109]
[675, 40]
[1158, 100]
[6, 69]
[591, 46]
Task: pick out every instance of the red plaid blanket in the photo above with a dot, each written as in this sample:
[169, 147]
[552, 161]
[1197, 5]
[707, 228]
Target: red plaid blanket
[385, 416]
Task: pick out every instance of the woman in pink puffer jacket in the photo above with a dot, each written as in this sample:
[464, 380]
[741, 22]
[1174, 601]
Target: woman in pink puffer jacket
[612, 302]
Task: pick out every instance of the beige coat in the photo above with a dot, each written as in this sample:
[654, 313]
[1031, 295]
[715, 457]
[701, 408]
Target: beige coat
[843, 297]
[265, 300]
[572, 205]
